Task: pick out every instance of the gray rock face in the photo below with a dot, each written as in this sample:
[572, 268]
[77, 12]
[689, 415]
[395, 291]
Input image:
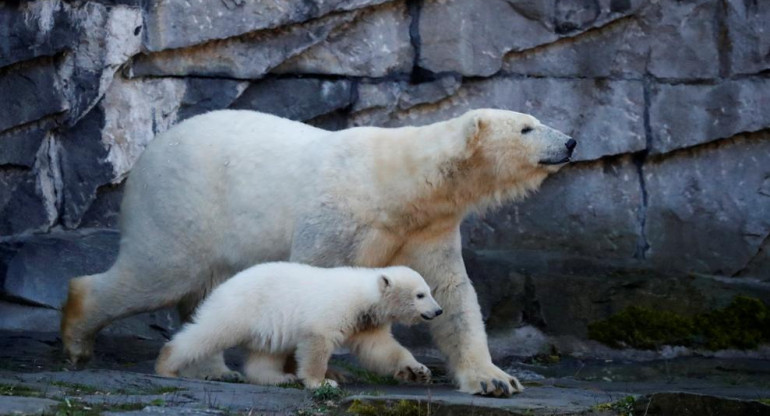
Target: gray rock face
[747, 33]
[20, 146]
[40, 270]
[610, 121]
[598, 208]
[104, 212]
[205, 94]
[277, 97]
[10, 405]
[688, 404]
[15, 317]
[683, 39]
[665, 40]
[108, 37]
[84, 166]
[618, 49]
[759, 265]
[480, 36]
[23, 205]
[375, 44]
[136, 110]
[376, 102]
[724, 189]
[32, 29]
[503, 292]
[562, 294]
[685, 115]
[246, 57]
[29, 93]
[170, 24]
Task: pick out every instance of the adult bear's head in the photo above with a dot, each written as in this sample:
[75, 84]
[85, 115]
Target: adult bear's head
[509, 154]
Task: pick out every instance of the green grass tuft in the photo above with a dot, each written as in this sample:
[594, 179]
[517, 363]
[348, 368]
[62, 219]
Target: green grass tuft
[623, 407]
[366, 376]
[328, 392]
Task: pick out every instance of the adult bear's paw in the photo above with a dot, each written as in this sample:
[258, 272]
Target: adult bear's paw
[488, 380]
[413, 372]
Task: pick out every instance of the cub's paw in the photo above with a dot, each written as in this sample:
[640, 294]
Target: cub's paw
[488, 380]
[414, 372]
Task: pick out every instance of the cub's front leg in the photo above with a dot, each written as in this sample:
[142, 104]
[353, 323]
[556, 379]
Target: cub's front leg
[313, 354]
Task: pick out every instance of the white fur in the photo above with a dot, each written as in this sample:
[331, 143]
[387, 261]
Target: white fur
[275, 309]
[225, 190]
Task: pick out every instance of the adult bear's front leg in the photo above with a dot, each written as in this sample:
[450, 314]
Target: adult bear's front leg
[459, 333]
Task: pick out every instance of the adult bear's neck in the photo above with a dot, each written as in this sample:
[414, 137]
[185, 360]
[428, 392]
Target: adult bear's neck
[420, 175]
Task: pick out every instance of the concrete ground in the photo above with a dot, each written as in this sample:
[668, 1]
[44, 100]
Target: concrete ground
[119, 382]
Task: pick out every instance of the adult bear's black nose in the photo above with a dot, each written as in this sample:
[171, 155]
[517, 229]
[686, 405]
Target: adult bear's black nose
[571, 143]
[439, 312]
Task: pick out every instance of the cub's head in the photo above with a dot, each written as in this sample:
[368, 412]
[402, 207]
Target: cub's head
[406, 298]
[513, 152]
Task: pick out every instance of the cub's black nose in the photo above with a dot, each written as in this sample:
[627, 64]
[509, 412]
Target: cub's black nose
[571, 143]
[439, 312]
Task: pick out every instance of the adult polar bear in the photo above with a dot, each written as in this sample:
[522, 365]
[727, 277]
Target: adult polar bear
[229, 189]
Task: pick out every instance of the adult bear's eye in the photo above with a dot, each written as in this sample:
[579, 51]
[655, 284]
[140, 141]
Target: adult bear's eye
[526, 130]
[420, 295]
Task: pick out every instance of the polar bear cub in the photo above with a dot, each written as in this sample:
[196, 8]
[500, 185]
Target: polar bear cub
[279, 309]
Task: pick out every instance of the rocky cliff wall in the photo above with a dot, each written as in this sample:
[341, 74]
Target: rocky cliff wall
[668, 100]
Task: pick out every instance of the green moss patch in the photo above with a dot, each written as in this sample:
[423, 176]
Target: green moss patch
[365, 376]
[399, 408]
[71, 407]
[81, 389]
[19, 390]
[743, 324]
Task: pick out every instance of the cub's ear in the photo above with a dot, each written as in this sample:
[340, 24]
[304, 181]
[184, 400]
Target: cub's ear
[384, 283]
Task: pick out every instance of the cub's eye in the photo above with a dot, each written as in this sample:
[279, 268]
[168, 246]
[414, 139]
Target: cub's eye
[420, 295]
[526, 130]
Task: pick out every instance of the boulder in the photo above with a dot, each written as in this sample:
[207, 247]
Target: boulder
[40, 270]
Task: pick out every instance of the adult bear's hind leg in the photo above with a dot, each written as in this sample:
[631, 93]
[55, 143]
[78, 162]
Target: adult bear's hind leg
[94, 301]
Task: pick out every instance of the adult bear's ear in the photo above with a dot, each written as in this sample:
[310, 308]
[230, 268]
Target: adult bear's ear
[474, 126]
[384, 283]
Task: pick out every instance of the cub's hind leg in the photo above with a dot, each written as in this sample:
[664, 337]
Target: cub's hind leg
[268, 369]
